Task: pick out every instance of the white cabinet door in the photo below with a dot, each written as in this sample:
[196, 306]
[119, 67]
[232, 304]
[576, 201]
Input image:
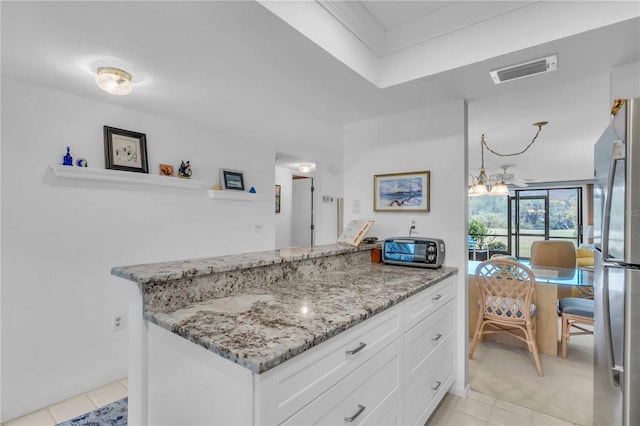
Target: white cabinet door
[423, 304]
[290, 386]
[421, 399]
[423, 342]
[366, 396]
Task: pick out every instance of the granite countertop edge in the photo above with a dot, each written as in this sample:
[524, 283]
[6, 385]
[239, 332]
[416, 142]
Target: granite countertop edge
[190, 268]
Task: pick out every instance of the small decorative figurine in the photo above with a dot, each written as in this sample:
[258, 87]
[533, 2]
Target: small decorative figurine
[67, 160]
[185, 170]
[81, 162]
[217, 187]
[252, 190]
[166, 170]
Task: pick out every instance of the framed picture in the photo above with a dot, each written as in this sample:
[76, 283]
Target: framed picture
[401, 192]
[232, 179]
[125, 150]
[278, 190]
[166, 170]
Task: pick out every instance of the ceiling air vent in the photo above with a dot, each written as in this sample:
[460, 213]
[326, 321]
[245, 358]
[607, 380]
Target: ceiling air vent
[538, 66]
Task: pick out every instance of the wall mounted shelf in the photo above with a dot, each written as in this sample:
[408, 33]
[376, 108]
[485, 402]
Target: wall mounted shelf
[216, 194]
[88, 173]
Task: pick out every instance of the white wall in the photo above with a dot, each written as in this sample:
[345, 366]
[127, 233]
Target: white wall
[625, 81]
[433, 139]
[61, 237]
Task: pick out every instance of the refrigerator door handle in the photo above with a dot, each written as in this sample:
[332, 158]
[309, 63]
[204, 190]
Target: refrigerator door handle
[614, 370]
[616, 154]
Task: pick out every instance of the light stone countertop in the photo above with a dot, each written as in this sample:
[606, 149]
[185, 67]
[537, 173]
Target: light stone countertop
[261, 315]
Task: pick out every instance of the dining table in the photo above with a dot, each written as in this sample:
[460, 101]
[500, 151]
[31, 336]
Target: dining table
[552, 283]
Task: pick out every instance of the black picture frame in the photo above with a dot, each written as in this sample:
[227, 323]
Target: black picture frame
[278, 192]
[232, 179]
[125, 150]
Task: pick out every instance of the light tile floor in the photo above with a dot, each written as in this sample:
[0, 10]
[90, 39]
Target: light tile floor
[476, 409]
[73, 407]
[479, 410]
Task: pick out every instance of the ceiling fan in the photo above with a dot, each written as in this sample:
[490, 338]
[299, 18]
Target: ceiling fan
[509, 178]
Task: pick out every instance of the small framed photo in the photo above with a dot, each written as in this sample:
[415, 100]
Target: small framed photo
[232, 179]
[125, 150]
[166, 170]
[278, 190]
[401, 192]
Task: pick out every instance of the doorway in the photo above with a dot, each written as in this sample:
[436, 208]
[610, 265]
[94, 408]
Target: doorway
[302, 225]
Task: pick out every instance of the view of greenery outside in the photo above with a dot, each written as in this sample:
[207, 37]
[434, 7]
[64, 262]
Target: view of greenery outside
[491, 217]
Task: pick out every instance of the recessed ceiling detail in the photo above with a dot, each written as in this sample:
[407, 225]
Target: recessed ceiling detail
[526, 69]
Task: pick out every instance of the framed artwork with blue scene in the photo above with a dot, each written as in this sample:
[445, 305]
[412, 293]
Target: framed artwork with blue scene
[401, 192]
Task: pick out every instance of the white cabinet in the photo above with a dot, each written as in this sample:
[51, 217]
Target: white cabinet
[414, 339]
[288, 387]
[391, 369]
[429, 350]
[363, 397]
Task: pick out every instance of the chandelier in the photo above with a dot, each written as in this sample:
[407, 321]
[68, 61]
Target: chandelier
[494, 184]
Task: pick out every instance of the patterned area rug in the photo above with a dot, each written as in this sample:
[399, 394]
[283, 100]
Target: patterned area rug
[114, 414]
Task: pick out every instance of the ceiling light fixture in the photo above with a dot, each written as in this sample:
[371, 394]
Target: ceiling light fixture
[114, 81]
[305, 167]
[494, 184]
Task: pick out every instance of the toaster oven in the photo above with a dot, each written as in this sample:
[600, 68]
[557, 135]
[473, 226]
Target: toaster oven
[413, 251]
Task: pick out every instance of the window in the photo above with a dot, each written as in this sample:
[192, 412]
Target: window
[510, 224]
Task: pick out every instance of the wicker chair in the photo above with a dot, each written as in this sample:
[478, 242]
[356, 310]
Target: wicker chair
[506, 303]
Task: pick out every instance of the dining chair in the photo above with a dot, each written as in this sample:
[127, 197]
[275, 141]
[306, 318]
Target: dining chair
[506, 303]
[577, 315]
[554, 253]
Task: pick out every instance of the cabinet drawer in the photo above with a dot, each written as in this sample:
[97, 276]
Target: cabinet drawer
[421, 305]
[366, 395]
[425, 339]
[421, 398]
[290, 386]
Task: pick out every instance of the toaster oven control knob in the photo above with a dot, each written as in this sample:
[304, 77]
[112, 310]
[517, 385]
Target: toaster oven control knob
[431, 249]
[431, 258]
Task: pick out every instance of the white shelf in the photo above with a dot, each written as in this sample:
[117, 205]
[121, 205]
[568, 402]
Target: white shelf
[88, 173]
[216, 194]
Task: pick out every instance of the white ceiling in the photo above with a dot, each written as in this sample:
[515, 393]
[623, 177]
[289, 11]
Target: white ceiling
[239, 69]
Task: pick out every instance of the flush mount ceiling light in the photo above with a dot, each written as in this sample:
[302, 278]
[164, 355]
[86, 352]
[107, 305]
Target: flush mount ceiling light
[114, 81]
[526, 69]
[494, 184]
[305, 167]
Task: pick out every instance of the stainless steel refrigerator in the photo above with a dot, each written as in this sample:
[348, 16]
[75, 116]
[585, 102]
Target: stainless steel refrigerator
[617, 270]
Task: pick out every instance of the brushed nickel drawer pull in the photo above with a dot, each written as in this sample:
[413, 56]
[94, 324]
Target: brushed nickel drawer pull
[438, 336]
[436, 386]
[438, 297]
[352, 418]
[356, 350]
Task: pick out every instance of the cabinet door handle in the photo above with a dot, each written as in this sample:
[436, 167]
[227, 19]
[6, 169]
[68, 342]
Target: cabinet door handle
[438, 336]
[438, 297]
[352, 418]
[356, 350]
[436, 386]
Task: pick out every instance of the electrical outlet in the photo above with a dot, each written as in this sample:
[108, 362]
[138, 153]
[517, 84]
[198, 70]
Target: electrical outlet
[412, 221]
[118, 322]
[356, 206]
[256, 227]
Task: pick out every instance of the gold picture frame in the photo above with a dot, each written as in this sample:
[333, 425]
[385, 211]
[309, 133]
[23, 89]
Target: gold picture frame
[402, 192]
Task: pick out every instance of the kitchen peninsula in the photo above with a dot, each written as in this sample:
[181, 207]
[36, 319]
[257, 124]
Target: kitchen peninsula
[295, 336]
